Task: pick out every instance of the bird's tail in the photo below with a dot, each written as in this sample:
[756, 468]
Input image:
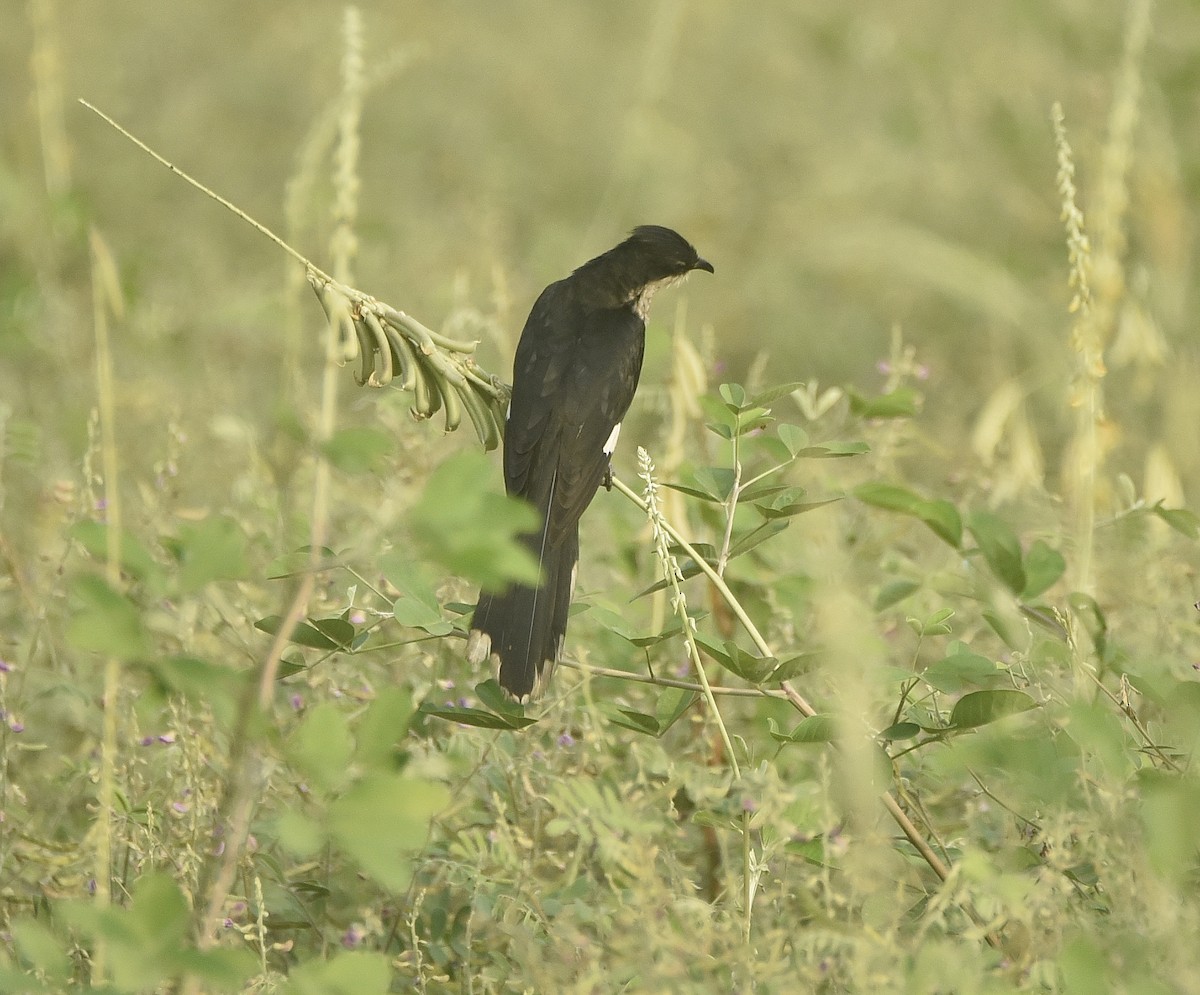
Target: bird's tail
[522, 628]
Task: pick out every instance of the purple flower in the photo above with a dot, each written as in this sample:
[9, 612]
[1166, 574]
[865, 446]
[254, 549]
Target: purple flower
[297, 702]
[146, 740]
[352, 937]
[5, 666]
[566, 740]
[16, 725]
[167, 737]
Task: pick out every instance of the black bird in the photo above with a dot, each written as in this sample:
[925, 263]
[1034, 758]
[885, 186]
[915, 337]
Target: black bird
[574, 376]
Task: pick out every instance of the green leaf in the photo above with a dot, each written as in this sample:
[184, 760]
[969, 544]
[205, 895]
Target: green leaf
[934, 624]
[812, 729]
[302, 635]
[695, 492]
[359, 449]
[793, 666]
[746, 541]
[298, 834]
[134, 558]
[1013, 636]
[1000, 548]
[981, 707]
[105, 621]
[893, 592]
[788, 504]
[811, 851]
[508, 714]
[960, 670]
[734, 396]
[320, 747]
[498, 700]
[941, 516]
[38, 946]
[210, 550]
[356, 972]
[637, 721]
[753, 420]
[722, 421]
[338, 631]
[672, 704]
[900, 731]
[833, 450]
[382, 729]
[1170, 810]
[900, 403]
[889, 497]
[1089, 612]
[212, 684]
[382, 820]
[792, 436]
[733, 658]
[417, 607]
[715, 481]
[473, 531]
[1180, 519]
[1043, 567]
[148, 940]
[769, 395]
[645, 642]
[478, 717]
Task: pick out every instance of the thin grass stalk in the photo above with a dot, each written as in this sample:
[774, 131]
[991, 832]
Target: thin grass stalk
[673, 576]
[907, 827]
[1086, 393]
[246, 776]
[106, 296]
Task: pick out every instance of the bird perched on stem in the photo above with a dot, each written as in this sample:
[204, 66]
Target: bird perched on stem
[574, 376]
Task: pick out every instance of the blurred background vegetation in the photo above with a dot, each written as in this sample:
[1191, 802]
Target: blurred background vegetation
[855, 172]
[848, 169]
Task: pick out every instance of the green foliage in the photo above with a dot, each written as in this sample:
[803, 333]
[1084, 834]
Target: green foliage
[469, 528]
[148, 941]
[910, 554]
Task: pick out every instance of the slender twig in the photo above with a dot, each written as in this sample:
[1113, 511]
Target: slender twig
[669, 682]
[263, 229]
[105, 296]
[999, 801]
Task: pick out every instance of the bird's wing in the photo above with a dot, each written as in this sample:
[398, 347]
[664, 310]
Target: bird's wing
[601, 383]
[539, 370]
[575, 374]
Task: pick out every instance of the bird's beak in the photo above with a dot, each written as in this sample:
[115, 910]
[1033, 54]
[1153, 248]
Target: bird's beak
[705, 265]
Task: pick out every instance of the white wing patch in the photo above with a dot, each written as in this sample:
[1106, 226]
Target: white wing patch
[611, 445]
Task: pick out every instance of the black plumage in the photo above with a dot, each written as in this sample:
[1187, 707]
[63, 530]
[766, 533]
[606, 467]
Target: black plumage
[574, 376]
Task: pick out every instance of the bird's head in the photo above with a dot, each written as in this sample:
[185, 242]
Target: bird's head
[662, 253]
[651, 257]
